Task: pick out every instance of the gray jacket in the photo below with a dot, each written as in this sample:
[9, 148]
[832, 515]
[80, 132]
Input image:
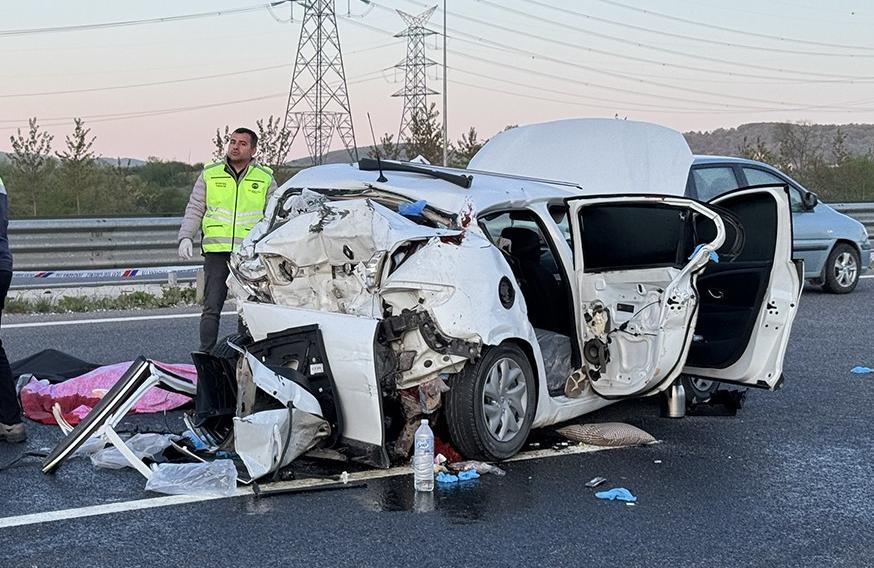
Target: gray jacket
[5, 253]
[196, 207]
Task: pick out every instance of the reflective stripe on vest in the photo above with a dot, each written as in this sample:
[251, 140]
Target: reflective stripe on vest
[232, 208]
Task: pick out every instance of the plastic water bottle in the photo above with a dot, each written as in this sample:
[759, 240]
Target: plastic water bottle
[423, 458]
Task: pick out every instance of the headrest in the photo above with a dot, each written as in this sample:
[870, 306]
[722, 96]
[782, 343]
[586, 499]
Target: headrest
[524, 243]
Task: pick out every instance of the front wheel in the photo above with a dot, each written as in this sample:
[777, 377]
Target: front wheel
[842, 269]
[490, 404]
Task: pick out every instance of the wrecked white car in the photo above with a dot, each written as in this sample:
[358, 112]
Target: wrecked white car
[561, 272]
[495, 301]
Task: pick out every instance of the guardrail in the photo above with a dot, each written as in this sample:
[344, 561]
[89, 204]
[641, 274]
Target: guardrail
[71, 244]
[142, 242]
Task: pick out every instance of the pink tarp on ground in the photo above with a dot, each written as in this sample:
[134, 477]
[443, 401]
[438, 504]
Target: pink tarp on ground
[79, 395]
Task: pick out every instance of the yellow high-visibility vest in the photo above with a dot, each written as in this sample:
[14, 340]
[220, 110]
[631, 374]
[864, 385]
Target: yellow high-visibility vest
[232, 208]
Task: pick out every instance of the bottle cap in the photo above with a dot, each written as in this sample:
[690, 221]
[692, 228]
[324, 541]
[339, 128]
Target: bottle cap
[424, 421]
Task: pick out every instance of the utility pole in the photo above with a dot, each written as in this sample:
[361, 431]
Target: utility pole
[445, 93]
[414, 65]
[318, 101]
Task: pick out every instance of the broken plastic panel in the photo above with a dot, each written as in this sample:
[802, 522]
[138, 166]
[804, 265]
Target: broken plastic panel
[142, 375]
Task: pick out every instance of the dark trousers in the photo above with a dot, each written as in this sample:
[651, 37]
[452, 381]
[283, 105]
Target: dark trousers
[215, 291]
[10, 410]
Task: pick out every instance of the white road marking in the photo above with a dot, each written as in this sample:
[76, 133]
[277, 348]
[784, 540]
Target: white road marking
[169, 500]
[104, 320]
[867, 276]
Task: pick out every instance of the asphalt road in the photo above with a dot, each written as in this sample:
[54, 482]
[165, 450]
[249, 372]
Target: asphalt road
[787, 482]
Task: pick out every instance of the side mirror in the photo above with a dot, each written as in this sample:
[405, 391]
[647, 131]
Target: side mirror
[809, 200]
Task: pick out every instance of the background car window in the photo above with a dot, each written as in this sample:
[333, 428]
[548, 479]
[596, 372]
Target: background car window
[712, 182]
[795, 199]
[756, 176]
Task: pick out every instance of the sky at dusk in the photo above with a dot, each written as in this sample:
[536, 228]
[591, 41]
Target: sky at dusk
[686, 64]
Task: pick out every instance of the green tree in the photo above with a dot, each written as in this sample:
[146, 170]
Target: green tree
[31, 160]
[77, 162]
[465, 148]
[839, 151]
[221, 143]
[387, 149]
[272, 141]
[758, 151]
[799, 150]
[426, 136]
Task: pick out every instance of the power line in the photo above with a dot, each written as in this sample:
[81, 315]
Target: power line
[832, 77]
[170, 81]
[147, 84]
[745, 65]
[125, 23]
[616, 74]
[112, 117]
[617, 105]
[478, 39]
[733, 30]
[733, 45]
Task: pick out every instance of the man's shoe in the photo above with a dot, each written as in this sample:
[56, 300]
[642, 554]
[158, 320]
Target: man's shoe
[13, 433]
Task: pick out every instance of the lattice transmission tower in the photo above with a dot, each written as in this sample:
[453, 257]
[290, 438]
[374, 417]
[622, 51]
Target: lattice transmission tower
[318, 102]
[415, 66]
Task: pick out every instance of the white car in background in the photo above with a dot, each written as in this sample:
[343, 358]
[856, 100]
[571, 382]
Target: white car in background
[564, 270]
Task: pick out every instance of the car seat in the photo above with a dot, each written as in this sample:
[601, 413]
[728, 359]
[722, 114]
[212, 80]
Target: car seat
[539, 287]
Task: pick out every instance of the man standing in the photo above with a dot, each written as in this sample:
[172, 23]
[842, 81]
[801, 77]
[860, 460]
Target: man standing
[227, 200]
[11, 427]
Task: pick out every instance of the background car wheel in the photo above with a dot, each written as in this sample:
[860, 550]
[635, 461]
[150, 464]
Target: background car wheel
[698, 389]
[842, 269]
[490, 404]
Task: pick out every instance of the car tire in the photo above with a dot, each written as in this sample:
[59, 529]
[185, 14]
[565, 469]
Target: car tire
[842, 269]
[698, 389]
[490, 404]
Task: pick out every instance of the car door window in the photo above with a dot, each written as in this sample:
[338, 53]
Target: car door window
[755, 176]
[795, 199]
[529, 250]
[712, 182]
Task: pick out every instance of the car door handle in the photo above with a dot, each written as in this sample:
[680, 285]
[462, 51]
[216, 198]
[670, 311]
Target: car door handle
[716, 294]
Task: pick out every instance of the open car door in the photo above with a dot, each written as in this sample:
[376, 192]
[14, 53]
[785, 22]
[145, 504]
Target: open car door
[749, 300]
[636, 262]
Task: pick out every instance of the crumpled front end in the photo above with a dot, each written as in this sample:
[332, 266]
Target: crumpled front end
[401, 304]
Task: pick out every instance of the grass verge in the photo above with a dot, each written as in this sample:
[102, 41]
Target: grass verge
[171, 296]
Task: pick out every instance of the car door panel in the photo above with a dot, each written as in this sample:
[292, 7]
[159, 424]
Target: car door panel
[635, 275]
[748, 303]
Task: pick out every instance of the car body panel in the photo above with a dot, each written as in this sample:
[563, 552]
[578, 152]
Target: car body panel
[349, 346]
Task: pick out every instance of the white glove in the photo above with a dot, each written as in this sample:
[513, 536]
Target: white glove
[186, 249]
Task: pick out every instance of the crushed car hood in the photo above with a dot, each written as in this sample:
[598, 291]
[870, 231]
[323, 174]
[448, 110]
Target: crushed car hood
[602, 156]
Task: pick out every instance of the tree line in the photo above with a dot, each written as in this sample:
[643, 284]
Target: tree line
[74, 181]
[824, 167]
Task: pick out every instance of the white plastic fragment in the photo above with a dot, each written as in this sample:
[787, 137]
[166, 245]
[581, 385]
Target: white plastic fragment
[144, 446]
[218, 478]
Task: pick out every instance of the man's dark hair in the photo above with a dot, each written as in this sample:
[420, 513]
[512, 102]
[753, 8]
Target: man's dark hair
[252, 136]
